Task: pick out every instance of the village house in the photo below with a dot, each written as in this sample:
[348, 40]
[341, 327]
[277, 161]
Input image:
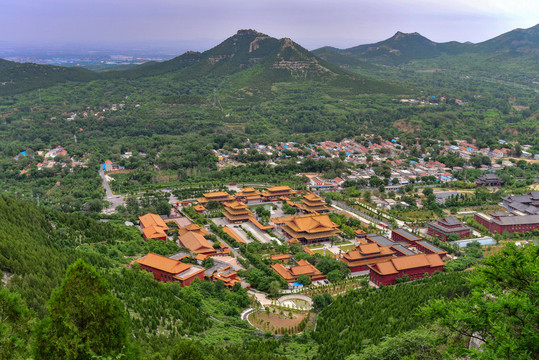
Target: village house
[167, 270]
[415, 267]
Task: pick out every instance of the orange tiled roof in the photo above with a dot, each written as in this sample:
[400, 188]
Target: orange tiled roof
[279, 188]
[153, 233]
[154, 220]
[193, 227]
[371, 248]
[282, 271]
[408, 262]
[237, 205]
[195, 242]
[280, 257]
[163, 263]
[233, 234]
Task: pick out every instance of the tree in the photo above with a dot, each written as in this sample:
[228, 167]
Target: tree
[212, 205]
[319, 302]
[453, 237]
[334, 276]
[304, 279]
[427, 192]
[208, 263]
[187, 350]
[84, 320]
[501, 313]
[274, 288]
[14, 326]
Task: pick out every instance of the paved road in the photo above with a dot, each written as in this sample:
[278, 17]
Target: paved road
[359, 213]
[114, 200]
[105, 183]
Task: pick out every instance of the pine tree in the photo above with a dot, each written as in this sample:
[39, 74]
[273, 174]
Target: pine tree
[84, 320]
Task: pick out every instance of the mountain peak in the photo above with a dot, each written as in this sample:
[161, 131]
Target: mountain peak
[249, 32]
[402, 35]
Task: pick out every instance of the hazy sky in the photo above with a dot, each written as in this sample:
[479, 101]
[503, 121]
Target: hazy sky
[200, 24]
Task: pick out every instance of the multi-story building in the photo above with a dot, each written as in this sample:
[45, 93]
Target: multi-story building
[219, 196]
[249, 195]
[310, 228]
[275, 192]
[443, 228]
[366, 254]
[237, 212]
[489, 180]
[312, 203]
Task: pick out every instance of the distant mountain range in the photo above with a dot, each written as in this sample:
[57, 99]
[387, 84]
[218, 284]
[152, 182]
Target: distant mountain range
[402, 48]
[250, 58]
[254, 59]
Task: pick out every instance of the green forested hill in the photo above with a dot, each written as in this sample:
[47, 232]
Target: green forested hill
[36, 247]
[516, 51]
[16, 77]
